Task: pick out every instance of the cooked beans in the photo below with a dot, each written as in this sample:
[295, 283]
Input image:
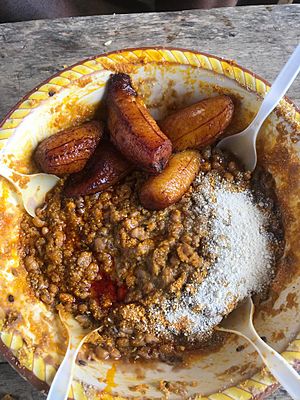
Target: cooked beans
[103, 256]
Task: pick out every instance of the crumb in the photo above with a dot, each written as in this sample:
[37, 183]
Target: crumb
[142, 388]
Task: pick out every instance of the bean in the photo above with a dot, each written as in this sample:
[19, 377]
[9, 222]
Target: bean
[101, 353]
[145, 353]
[138, 341]
[82, 308]
[176, 216]
[206, 153]
[31, 264]
[100, 244]
[66, 298]
[92, 271]
[84, 259]
[53, 288]
[127, 329]
[167, 275]
[206, 167]
[39, 212]
[59, 239]
[84, 321]
[149, 286]
[82, 294]
[45, 230]
[79, 202]
[145, 247]
[11, 298]
[228, 176]
[55, 278]
[46, 297]
[238, 175]
[104, 231]
[247, 175]
[232, 167]
[123, 342]
[130, 223]
[38, 222]
[150, 338]
[107, 261]
[68, 307]
[115, 353]
[138, 233]
[216, 165]
[217, 158]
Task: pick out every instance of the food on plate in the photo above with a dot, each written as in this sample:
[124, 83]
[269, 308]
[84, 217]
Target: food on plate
[200, 124]
[155, 261]
[169, 186]
[105, 168]
[68, 151]
[133, 130]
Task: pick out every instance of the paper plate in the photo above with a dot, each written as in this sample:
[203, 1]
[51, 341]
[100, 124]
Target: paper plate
[32, 338]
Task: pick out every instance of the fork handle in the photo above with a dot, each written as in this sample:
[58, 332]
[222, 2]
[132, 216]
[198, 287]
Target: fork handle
[278, 89]
[61, 384]
[285, 374]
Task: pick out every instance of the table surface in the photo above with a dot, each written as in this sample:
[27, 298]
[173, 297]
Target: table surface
[260, 38]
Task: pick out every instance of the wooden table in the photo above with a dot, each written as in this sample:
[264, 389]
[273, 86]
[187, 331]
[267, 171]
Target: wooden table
[260, 38]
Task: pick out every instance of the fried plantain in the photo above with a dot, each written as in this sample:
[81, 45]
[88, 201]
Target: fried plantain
[133, 130]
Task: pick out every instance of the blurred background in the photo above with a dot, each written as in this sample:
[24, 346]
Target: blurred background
[22, 10]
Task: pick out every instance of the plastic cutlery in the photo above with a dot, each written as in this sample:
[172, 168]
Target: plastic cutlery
[32, 188]
[61, 384]
[240, 322]
[243, 144]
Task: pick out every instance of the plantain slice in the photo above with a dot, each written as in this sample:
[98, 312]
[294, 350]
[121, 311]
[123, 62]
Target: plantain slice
[167, 188]
[133, 130]
[105, 168]
[200, 124]
[68, 151]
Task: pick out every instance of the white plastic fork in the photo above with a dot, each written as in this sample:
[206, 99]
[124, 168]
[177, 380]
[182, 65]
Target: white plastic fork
[32, 188]
[243, 144]
[62, 381]
[240, 322]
